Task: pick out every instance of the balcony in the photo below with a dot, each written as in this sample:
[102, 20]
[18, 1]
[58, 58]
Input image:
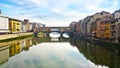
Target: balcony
[113, 24]
[113, 29]
[113, 37]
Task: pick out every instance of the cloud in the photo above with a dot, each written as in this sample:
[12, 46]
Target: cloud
[4, 5]
[102, 5]
[61, 12]
[31, 3]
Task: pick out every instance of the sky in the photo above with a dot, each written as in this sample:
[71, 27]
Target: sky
[56, 12]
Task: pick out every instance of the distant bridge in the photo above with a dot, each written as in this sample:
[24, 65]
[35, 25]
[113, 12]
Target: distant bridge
[60, 30]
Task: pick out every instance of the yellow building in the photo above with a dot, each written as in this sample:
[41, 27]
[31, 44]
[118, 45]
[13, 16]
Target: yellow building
[14, 25]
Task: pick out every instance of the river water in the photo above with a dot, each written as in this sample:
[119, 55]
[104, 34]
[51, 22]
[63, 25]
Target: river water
[46, 52]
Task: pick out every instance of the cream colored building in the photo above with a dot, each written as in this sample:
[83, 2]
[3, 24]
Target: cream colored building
[116, 15]
[4, 24]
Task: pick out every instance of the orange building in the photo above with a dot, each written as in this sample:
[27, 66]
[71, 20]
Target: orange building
[104, 28]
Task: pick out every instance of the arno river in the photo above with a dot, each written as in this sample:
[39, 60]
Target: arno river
[47, 52]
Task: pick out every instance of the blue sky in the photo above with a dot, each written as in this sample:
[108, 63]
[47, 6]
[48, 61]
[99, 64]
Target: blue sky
[56, 12]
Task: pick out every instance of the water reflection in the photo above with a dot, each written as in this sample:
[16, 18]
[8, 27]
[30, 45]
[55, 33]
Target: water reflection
[99, 54]
[54, 39]
[45, 52]
[4, 54]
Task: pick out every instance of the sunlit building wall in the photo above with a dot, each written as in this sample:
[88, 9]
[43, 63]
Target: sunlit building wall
[4, 24]
[14, 25]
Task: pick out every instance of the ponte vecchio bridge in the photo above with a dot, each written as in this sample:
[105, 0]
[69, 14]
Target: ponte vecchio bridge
[61, 30]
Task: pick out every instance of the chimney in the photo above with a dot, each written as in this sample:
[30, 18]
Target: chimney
[26, 20]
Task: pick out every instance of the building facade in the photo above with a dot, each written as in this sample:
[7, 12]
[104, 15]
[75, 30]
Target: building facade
[78, 27]
[14, 25]
[116, 15]
[26, 24]
[102, 25]
[4, 24]
[73, 26]
[104, 28]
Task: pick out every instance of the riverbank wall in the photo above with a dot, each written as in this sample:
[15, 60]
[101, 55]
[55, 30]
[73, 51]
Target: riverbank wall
[10, 37]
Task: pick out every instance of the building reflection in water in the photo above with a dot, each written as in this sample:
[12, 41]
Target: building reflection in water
[15, 47]
[35, 40]
[4, 54]
[54, 39]
[28, 43]
[98, 54]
